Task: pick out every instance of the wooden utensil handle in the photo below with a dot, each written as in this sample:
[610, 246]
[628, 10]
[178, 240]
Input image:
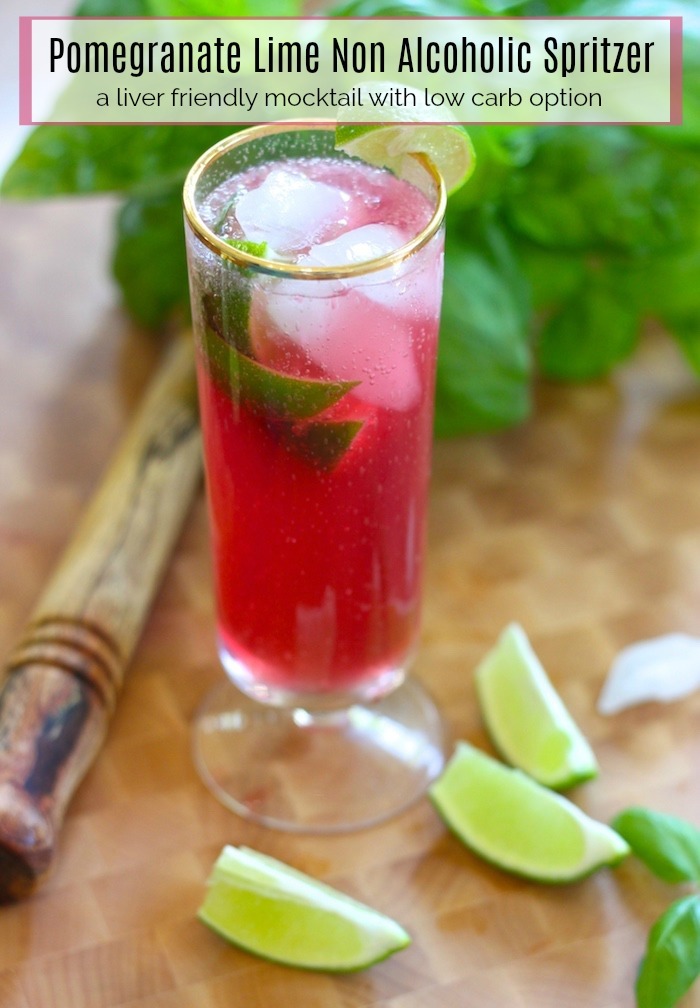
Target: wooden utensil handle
[64, 677]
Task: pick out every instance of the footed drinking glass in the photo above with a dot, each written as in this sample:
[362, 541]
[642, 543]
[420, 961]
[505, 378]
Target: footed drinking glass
[315, 284]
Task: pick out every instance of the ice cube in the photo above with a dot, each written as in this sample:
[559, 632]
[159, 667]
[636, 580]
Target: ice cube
[291, 212]
[344, 334]
[360, 245]
[302, 312]
[411, 287]
[664, 668]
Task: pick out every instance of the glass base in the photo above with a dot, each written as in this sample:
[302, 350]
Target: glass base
[319, 771]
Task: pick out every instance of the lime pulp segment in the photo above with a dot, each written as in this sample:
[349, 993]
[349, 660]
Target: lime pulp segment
[281, 914]
[526, 718]
[515, 823]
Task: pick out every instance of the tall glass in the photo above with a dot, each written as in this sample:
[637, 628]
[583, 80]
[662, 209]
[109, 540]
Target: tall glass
[316, 289]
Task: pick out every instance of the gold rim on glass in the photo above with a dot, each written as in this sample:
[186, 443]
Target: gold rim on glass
[286, 269]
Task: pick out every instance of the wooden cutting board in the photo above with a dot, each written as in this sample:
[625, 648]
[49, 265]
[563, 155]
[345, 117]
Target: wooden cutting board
[584, 524]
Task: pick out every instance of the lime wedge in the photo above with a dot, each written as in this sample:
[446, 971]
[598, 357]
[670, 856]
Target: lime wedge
[267, 392]
[413, 130]
[323, 442]
[526, 718]
[286, 401]
[274, 911]
[518, 825]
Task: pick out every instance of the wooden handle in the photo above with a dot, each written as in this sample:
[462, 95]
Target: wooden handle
[65, 675]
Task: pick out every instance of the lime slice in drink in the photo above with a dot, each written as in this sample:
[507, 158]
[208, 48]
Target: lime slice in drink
[323, 442]
[274, 911]
[399, 131]
[270, 393]
[526, 718]
[518, 825]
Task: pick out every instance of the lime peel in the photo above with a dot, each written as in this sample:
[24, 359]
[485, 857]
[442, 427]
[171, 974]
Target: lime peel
[526, 718]
[268, 392]
[517, 824]
[398, 132]
[272, 910]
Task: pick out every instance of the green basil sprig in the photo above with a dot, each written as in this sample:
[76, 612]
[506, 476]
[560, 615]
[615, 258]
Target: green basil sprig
[670, 848]
[672, 960]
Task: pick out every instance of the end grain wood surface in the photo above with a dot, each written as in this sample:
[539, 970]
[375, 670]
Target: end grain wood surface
[584, 524]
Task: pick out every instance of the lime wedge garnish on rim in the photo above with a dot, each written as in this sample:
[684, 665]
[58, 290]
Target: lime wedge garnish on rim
[407, 130]
[526, 718]
[518, 825]
[274, 911]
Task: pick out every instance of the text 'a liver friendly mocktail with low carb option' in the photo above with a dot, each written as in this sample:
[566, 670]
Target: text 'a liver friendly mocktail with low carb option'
[316, 326]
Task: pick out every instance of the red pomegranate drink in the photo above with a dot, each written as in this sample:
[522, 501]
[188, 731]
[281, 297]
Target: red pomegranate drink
[316, 283]
[317, 403]
[318, 509]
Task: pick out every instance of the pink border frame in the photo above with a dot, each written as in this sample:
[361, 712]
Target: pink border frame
[25, 71]
[675, 89]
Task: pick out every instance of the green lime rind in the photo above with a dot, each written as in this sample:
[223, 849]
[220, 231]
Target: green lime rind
[285, 400]
[519, 826]
[526, 718]
[323, 442]
[347, 133]
[267, 392]
[227, 310]
[285, 916]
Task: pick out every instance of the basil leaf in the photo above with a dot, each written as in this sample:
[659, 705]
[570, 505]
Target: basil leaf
[689, 342]
[672, 960]
[672, 295]
[668, 846]
[75, 160]
[149, 257]
[258, 249]
[567, 199]
[113, 8]
[483, 366]
[554, 276]
[394, 8]
[227, 9]
[498, 152]
[588, 187]
[687, 134]
[594, 330]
